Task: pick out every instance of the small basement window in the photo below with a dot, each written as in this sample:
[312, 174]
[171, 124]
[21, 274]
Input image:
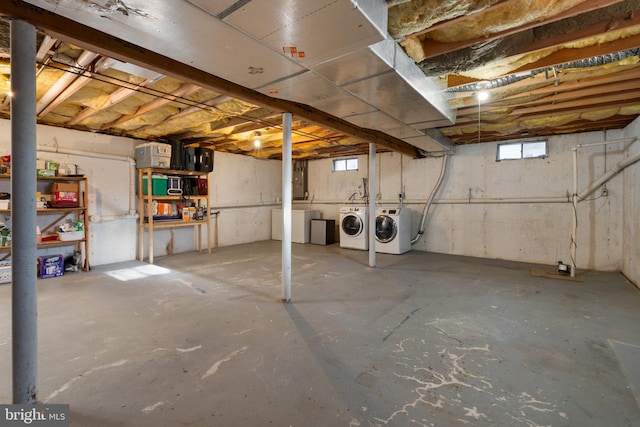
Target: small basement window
[340, 165]
[522, 150]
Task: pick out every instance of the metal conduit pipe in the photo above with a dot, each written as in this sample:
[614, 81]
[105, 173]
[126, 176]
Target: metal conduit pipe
[478, 201]
[493, 200]
[82, 62]
[575, 196]
[287, 197]
[372, 204]
[607, 176]
[443, 168]
[582, 63]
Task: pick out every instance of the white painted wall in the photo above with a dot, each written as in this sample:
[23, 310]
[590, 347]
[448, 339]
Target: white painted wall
[631, 216]
[529, 232]
[105, 160]
[244, 190]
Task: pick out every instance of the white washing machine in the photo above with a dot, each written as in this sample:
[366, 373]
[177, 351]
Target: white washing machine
[354, 227]
[393, 230]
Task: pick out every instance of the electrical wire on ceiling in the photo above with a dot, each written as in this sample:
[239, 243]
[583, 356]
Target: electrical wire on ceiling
[87, 73]
[594, 61]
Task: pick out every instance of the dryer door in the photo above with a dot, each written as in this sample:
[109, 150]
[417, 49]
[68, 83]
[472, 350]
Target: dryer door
[386, 228]
[352, 225]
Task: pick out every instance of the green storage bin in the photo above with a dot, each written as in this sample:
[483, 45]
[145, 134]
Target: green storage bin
[158, 185]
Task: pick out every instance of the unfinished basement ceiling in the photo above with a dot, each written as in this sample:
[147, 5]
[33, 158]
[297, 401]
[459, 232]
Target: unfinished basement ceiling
[408, 69]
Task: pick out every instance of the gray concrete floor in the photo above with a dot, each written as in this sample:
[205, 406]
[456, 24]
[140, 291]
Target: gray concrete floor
[422, 340]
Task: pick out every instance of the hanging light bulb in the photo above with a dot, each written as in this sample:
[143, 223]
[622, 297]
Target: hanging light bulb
[483, 93]
[256, 140]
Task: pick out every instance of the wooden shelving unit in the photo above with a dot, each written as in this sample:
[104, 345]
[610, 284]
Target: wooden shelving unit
[150, 224]
[56, 216]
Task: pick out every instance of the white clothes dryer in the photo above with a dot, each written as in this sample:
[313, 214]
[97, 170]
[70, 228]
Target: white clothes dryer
[354, 225]
[393, 230]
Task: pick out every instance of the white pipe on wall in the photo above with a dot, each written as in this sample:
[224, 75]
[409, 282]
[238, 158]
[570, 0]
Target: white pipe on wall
[574, 219]
[106, 218]
[575, 197]
[499, 200]
[250, 205]
[477, 201]
[91, 154]
[607, 176]
[615, 141]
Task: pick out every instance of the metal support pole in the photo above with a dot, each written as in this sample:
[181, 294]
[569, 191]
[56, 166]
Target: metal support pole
[372, 204]
[287, 184]
[24, 302]
[574, 223]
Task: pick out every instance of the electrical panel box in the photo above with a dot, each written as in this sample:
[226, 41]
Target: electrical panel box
[299, 185]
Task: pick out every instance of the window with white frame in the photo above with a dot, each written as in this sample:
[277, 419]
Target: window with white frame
[339, 165]
[522, 150]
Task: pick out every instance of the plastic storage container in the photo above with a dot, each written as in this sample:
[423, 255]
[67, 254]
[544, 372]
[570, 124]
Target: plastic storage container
[158, 185]
[70, 236]
[5, 272]
[153, 155]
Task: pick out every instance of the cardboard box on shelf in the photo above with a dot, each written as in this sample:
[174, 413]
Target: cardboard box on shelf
[65, 195]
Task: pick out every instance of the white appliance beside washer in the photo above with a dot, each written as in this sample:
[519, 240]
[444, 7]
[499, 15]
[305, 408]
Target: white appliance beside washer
[393, 230]
[300, 224]
[354, 227]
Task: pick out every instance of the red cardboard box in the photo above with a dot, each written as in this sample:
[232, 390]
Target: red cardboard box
[51, 266]
[65, 195]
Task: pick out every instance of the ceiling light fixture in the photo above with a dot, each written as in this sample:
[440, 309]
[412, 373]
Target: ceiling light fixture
[257, 142]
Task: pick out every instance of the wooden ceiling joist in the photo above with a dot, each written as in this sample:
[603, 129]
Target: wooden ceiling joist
[433, 49]
[184, 90]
